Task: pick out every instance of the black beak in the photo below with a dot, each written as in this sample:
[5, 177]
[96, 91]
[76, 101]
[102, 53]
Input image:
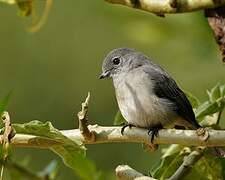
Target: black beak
[104, 75]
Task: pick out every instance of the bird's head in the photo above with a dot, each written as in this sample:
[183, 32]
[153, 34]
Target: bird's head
[121, 60]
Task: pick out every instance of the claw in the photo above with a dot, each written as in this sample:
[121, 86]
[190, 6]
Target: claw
[124, 127]
[154, 132]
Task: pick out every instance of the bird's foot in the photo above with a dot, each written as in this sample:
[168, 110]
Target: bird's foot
[154, 132]
[125, 126]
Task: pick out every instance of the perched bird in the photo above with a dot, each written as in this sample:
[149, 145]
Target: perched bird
[147, 96]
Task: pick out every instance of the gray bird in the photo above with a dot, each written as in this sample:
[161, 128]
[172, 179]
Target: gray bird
[147, 96]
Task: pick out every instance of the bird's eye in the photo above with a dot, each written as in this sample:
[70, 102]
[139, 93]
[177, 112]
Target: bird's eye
[116, 61]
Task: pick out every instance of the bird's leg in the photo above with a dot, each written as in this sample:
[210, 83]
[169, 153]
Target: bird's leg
[154, 131]
[124, 126]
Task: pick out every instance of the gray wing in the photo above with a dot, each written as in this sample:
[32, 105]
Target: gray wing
[165, 87]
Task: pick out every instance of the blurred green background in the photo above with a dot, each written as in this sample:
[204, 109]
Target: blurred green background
[51, 71]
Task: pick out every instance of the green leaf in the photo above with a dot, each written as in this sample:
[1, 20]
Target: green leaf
[72, 152]
[119, 118]
[83, 167]
[193, 100]
[214, 93]
[172, 149]
[170, 161]
[212, 107]
[46, 130]
[222, 90]
[207, 168]
[209, 108]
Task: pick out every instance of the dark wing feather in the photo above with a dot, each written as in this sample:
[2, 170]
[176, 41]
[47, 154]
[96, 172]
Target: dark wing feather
[165, 87]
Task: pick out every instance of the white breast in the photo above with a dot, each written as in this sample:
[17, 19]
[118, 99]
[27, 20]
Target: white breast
[137, 102]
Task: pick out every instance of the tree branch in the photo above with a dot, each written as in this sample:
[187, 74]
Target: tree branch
[169, 6]
[135, 135]
[125, 172]
[216, 20]
[187, 165]
[5, 139]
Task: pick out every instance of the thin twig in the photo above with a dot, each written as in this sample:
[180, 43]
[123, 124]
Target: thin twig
[38, 24]
[7, 133]
[125, 172]
[83, 121]
[219, 117]
[187, 165]
[5, 139]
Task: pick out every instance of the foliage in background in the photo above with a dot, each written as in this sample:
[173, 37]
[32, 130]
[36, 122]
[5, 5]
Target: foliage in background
[29, 8]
